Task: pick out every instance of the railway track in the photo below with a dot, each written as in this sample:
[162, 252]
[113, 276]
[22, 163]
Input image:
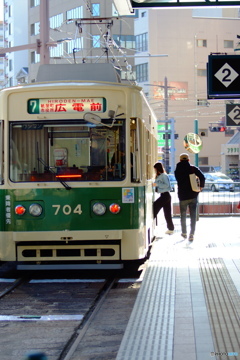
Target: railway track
[55, 316]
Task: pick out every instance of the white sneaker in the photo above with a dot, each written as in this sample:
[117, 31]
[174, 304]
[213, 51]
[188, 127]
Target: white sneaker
[169, 232]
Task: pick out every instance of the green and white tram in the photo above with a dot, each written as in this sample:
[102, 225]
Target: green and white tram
[76, 170]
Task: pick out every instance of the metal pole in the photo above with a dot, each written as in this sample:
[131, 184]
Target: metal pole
[166, 125]
[44, 32]
[196, 132]
[172, 136]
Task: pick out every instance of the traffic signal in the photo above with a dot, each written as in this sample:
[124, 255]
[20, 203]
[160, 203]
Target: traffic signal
[217, 128]
[168, 136]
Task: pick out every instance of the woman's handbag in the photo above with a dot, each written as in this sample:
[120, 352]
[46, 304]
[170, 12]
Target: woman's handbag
[195, 182]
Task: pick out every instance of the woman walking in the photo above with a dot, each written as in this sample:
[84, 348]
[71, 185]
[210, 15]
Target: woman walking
[163, 187]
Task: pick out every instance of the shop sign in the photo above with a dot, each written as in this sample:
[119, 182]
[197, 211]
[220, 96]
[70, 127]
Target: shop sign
[232, 150]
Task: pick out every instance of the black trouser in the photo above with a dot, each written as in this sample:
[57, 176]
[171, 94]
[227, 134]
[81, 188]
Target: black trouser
[164, 201]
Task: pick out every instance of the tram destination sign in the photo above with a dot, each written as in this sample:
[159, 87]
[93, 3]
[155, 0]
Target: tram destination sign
[66, 105]
[233, 114]
[223, 76]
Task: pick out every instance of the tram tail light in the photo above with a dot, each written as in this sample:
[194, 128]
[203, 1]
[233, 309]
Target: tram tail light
[114, 208]
[20, 210]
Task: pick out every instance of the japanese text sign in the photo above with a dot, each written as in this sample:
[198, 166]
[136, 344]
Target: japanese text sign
[66, 105]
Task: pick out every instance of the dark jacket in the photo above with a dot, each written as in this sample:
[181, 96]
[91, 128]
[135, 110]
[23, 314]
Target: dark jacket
[183, 169]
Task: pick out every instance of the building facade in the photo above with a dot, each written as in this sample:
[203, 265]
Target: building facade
[187, 37]
[15, 34]
[84, 32]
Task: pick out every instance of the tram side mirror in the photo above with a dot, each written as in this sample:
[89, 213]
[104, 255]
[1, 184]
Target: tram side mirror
[111, 114]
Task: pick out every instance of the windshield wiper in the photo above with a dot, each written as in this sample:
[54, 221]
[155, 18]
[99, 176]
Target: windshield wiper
[48, 168]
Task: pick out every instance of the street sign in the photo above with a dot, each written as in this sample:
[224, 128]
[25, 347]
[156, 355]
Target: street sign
[233, 114]
[161, 132]
[223, 76]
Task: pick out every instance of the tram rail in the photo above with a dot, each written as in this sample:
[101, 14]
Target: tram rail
[61, 316]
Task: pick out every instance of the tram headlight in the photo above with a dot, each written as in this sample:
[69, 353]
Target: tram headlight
[114, 208]
[35, 210]
[99, 208]
[20, 210]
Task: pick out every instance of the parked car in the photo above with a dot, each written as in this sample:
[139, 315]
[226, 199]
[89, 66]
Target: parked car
[218, 181]
[173, 181]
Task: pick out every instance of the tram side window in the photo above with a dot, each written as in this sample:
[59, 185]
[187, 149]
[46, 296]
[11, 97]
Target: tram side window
[148, 156]
[135, 148]
[69, 152]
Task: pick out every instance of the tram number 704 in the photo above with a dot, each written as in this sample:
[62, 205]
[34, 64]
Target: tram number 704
[67, 209]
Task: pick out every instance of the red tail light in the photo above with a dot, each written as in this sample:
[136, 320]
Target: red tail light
[20, 210]
[114, 208]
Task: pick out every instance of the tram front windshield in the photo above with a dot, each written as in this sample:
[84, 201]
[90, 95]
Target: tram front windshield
[42, 151]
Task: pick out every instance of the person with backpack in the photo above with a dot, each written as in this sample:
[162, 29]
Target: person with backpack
[187, 197]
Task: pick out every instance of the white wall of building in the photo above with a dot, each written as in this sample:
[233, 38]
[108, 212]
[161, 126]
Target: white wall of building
[15, 34]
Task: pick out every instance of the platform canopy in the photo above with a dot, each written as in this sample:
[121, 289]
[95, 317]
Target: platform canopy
[127, 7]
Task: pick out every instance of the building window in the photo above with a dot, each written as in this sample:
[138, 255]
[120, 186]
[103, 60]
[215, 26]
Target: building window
[35, 28]
[57, 51]
[56, 21]
[142, 72]
[201, 72]
[96, 41]
[128, 75]
[34, 3]
[76, 13]
[35, 58]
[75, 45]
[203, 132]
[10, 29]
[202, 161]
[201, 43]
[125, 41]
[95, 9]
[229, 132]
[142, 42]
[10, 11]
[10, 81]
[10, 65]
[203, 102]
[228, 44]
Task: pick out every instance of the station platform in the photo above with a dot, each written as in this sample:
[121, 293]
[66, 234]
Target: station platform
[188, 306]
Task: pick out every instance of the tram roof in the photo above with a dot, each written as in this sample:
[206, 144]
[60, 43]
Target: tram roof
[78, 72]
